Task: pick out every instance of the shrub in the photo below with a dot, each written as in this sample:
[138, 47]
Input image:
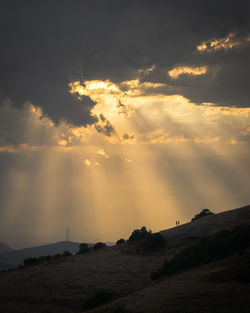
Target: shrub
[145, 241]
[83, 248]
[44, 258]
[30, 261]
[204, 212]
[139, 234]
[99, 245]
[33, 261]
[120, 242]
[57, 256]
[67, 253]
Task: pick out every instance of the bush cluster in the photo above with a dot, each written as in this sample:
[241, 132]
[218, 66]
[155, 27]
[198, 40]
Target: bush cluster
[140, 234]
[33, 261]
[83, 248]
[145, 241]
[120, 242]
[99, 245]
[203, 213]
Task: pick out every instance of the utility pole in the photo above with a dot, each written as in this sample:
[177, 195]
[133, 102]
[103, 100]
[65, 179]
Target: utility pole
[67, 234]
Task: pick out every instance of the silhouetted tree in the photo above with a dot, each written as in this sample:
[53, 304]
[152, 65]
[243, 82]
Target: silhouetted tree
[83, 248]
[144, 241]
[204, 212]
[120, 242]
[139, 234]
[44, 258]
[99, 245]
[57, 256]
[30, 261]
[67, 253]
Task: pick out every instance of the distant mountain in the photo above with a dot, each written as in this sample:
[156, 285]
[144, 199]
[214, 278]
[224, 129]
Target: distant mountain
[5, 248]
[15, 258]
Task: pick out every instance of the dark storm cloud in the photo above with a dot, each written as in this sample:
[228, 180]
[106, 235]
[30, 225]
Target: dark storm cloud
[47, 44]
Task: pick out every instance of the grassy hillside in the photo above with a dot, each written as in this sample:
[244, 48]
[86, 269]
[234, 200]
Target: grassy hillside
[118, 279]
[211, 288]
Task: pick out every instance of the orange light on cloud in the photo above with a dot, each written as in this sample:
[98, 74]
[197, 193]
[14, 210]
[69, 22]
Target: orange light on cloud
[102, 153]
[188, 70]
[228, 42]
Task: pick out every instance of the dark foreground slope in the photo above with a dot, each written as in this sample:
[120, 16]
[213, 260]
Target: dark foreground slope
[124, 278]
[64, 285]
[211, 288]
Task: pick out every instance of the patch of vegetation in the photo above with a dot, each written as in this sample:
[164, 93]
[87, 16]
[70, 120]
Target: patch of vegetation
[83, 248]
[145, 241]
[45, 258]
[99, 245]
[33, 261]
[67, 253]
[98, 299]
[203, 213]
[120, 242]
[30, 261]
[57, 256]
[139, 234]
[223, 244]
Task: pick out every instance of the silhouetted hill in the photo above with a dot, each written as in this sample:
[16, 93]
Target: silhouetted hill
[16, 257]
[5, 248]
[117, 280]
[206, 226]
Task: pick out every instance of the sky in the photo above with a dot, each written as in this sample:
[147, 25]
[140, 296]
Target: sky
[120, 114]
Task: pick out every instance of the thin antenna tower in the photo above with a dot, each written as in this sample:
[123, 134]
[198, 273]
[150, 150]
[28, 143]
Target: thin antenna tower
[67, 234]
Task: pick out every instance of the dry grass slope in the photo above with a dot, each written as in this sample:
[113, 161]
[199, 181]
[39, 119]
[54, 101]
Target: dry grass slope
[64, 285]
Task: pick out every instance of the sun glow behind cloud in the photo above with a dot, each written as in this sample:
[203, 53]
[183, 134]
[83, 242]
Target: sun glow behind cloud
[136, 165]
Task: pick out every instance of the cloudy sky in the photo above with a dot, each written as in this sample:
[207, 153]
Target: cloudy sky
[119, 114]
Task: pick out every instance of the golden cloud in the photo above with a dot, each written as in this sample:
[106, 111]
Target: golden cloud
[91, 163]
[170, 118]
[228, 42]
[111, 98]
[65, 135]
[136, 84]
[87, 162]
[161, 136]
[146, 71]
[102, 153]
[189, 70]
